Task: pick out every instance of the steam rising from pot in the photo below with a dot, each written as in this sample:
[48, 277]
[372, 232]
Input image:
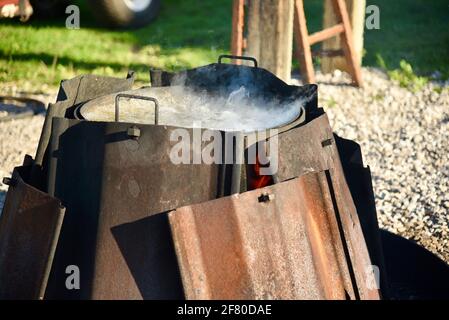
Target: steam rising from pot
[182, 106]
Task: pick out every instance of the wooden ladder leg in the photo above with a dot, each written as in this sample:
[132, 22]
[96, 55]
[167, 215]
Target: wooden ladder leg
[347, 40]
[238, 15]
[303, 51]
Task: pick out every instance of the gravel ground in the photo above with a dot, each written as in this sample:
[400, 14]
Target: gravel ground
[20, 137]
[404, 138]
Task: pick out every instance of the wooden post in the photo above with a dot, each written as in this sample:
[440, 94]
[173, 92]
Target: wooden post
[270, 35]
[347, 42]
[356, 11]
[238, 20]
[303, 51]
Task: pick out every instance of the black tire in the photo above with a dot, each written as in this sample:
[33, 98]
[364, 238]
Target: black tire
[116, 13]
[49, 8]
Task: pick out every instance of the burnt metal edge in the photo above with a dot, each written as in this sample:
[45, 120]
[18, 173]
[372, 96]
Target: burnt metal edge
[15, 199]
[358, 178]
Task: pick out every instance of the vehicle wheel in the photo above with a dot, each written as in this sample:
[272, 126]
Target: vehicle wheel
[49, 8]
[126, 13]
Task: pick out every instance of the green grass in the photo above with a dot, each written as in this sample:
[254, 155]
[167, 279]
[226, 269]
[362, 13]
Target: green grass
[189, 33]
[186, 34]
[405, 76]
[416, 31]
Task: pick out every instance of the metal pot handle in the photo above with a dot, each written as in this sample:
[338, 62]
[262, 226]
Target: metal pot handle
[133, 96]
[228, 56]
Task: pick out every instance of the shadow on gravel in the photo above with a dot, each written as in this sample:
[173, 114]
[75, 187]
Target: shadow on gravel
[413, 272]
[19, 107]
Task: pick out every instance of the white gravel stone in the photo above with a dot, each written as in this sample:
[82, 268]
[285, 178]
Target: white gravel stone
[404, 138]
[20, 137]
[17, 138]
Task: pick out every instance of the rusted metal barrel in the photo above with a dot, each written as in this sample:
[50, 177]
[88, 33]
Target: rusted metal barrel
[117, 183]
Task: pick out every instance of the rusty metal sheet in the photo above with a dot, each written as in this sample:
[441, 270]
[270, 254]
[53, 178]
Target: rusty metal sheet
[361, 262]
[29, 231]
[112, 185]
[358, 178]
[279, 242]
[301, 149]
[312, 148]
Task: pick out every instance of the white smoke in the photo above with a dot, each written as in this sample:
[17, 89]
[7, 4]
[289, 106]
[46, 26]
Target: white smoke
[182, 106]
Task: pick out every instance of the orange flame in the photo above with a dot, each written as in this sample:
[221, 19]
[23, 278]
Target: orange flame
[256, 180]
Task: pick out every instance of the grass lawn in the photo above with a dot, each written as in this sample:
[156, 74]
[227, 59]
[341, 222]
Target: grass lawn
[189, 33]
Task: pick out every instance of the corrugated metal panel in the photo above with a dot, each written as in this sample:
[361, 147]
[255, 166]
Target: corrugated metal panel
[312, 148]
[287, 247]
[29, 231]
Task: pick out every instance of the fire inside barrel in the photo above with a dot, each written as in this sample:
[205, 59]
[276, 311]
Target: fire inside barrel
[256, 179]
